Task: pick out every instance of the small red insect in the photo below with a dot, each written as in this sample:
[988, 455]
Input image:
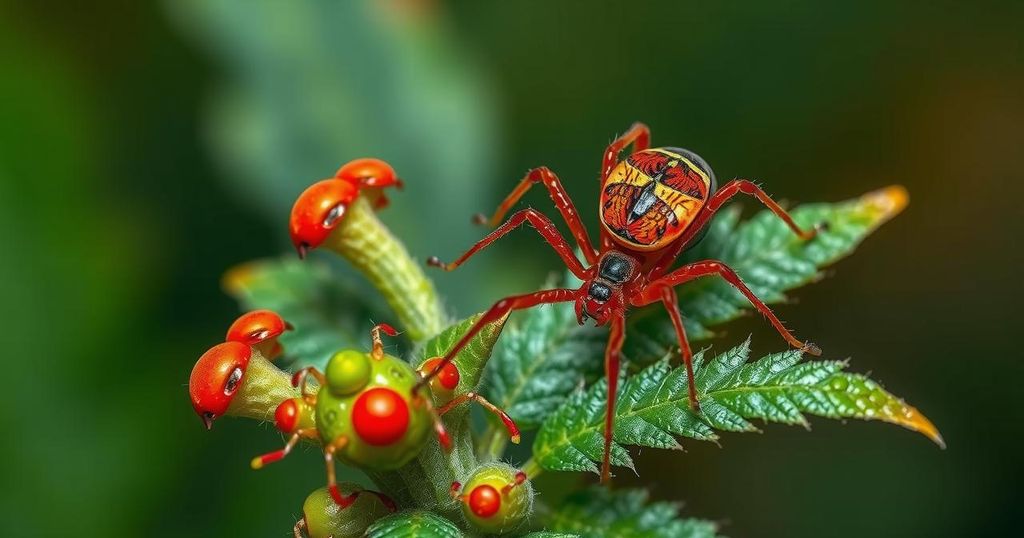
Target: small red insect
[321, 206]
[653, 204]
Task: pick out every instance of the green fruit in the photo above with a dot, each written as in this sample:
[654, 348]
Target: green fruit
[323, 517]
[490, 505]
[383, 425]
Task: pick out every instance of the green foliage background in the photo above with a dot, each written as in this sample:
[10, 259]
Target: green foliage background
[141, 146]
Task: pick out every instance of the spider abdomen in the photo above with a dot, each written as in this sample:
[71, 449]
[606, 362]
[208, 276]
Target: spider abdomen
[653, 196]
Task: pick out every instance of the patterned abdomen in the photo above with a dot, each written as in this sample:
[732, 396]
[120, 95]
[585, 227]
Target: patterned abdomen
[652, 197]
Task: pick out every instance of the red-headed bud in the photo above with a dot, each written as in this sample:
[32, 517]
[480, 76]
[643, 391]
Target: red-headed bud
[216, 378]
[318, 210]
[369, 172]
[260, 329]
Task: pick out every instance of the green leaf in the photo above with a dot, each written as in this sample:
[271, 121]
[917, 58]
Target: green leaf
[768, 257]
[653, 407]
[599, 512]
[547, 534]
[327, 315]
[415, 524]
[473, 357]
[543, 355]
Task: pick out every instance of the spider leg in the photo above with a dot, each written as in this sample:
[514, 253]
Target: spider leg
[715, 203]
[499, 310]
[668, 298]
[612, 359]
[638, 134]
[541, 223]
[546, 177]
[686, 273]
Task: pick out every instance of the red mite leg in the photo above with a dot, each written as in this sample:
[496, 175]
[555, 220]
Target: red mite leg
[510, 425]
[715, 203]
[692, 271]
[611, 370]
[638, 134]
[520, 478]
[541, 223]
[345, 501]
[435, 417]
[496, 312]
[668, 297]
[546, 177]
[377, 352]
[259, 461]
[300, 379]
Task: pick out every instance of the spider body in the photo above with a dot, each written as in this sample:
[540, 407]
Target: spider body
[653, 196]
[653, 204]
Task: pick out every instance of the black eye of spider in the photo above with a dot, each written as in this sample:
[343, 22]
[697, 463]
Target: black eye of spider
[600, 292]
[615, 269]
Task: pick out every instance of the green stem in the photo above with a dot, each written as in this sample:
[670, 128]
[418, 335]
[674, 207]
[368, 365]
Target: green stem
[367, 244]
[532, 469]
[262, 389]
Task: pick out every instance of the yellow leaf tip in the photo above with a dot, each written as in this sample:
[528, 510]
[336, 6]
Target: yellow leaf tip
[887, 202]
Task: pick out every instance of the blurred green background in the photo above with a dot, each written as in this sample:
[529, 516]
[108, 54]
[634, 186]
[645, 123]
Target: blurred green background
[146, 148]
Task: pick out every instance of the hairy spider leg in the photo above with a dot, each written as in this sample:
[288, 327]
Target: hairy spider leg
[510, 425]
[671, 302]
[259, 461]
[546, 177]
[612, 359]
[639, 135]
[541, 223]
[686, 273]
[499, 310]
[715, 203]
[301, 378]
[377, 352]
[345, 501]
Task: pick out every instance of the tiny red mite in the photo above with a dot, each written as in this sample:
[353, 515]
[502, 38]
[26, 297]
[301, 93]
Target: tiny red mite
[653, 204]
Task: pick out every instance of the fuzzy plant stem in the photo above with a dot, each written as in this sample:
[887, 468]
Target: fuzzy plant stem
[363, 240]
[263, 388]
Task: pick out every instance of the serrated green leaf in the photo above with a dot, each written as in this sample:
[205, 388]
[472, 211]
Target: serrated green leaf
[473, 357]
[768, 257]
[543, 355]
[415, 524]
[327, 314]
[653, 407]
[599, 512]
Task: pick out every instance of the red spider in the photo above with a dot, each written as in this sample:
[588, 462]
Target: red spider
[653, 204]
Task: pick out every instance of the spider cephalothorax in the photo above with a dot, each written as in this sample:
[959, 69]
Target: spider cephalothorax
[653, 204]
